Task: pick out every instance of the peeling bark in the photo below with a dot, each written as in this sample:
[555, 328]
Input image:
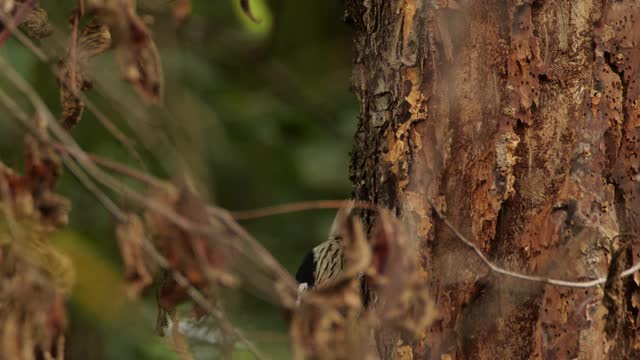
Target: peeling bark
[520, 119]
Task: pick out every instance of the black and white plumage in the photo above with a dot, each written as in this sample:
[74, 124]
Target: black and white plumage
[325, 261]
[320, 265]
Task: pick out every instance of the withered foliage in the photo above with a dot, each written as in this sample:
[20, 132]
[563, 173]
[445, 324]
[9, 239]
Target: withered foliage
[136, 52]
[35, 278]
[112, 23]
[8, 7]
[202, 256]
[398, 280]
[92, 40]
[139, 267]
[36, 23]
[32, 311]
[34, 191]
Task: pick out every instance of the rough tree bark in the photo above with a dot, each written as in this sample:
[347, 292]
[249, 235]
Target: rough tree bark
[520, 119]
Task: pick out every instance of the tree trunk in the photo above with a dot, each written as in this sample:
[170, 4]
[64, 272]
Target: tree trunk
[519, 120]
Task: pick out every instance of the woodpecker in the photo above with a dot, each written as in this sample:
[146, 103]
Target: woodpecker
[320, 265]
[325, 261]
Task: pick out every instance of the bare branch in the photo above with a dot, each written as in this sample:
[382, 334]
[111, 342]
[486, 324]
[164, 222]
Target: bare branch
[300, 206]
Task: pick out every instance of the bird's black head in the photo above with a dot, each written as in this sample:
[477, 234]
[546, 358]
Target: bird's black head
[305, 273]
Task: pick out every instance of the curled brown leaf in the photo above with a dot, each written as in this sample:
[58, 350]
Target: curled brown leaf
[140, 65]
[91, 41]
[139, 268]
[137, 54]
[203, 259]
[36, 23]
[403, 300]
[329, 324]
[42, 171]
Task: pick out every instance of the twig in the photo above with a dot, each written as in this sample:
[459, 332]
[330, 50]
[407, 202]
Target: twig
[115, 166]
[72, 54]
[123, 139]
[540, 279]
[300, 206]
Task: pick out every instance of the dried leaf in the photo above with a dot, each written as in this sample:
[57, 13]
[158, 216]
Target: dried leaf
[33, 316]
[139, 268]
[35, 278]
[140, 65]
[399, 282]
[403, 353]
[42, 171]
[92, 40]
[328, 324]
[7, 7]
[181, 10]
[137, 54]
[202, 258]
[36, 23]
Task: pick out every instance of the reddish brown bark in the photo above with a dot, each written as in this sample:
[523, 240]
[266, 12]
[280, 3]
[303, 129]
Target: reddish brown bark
[520, 120]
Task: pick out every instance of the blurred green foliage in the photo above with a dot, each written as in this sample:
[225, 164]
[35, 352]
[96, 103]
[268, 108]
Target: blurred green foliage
[261, 114]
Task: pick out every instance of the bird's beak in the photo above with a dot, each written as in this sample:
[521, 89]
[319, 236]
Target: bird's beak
[301, 289]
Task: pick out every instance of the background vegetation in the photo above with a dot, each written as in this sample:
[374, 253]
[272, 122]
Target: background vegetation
[262, 113]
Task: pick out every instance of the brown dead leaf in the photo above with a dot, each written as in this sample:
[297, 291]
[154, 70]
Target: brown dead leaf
[35, 278]
[399, 282]
[329, 325]
[33, 316]
[181, 10]
[140, 65]
[139, 268]
[204, 259]
[42, 171]
[36, 23]
[91, 41]
[137, 54]
[403, 353]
